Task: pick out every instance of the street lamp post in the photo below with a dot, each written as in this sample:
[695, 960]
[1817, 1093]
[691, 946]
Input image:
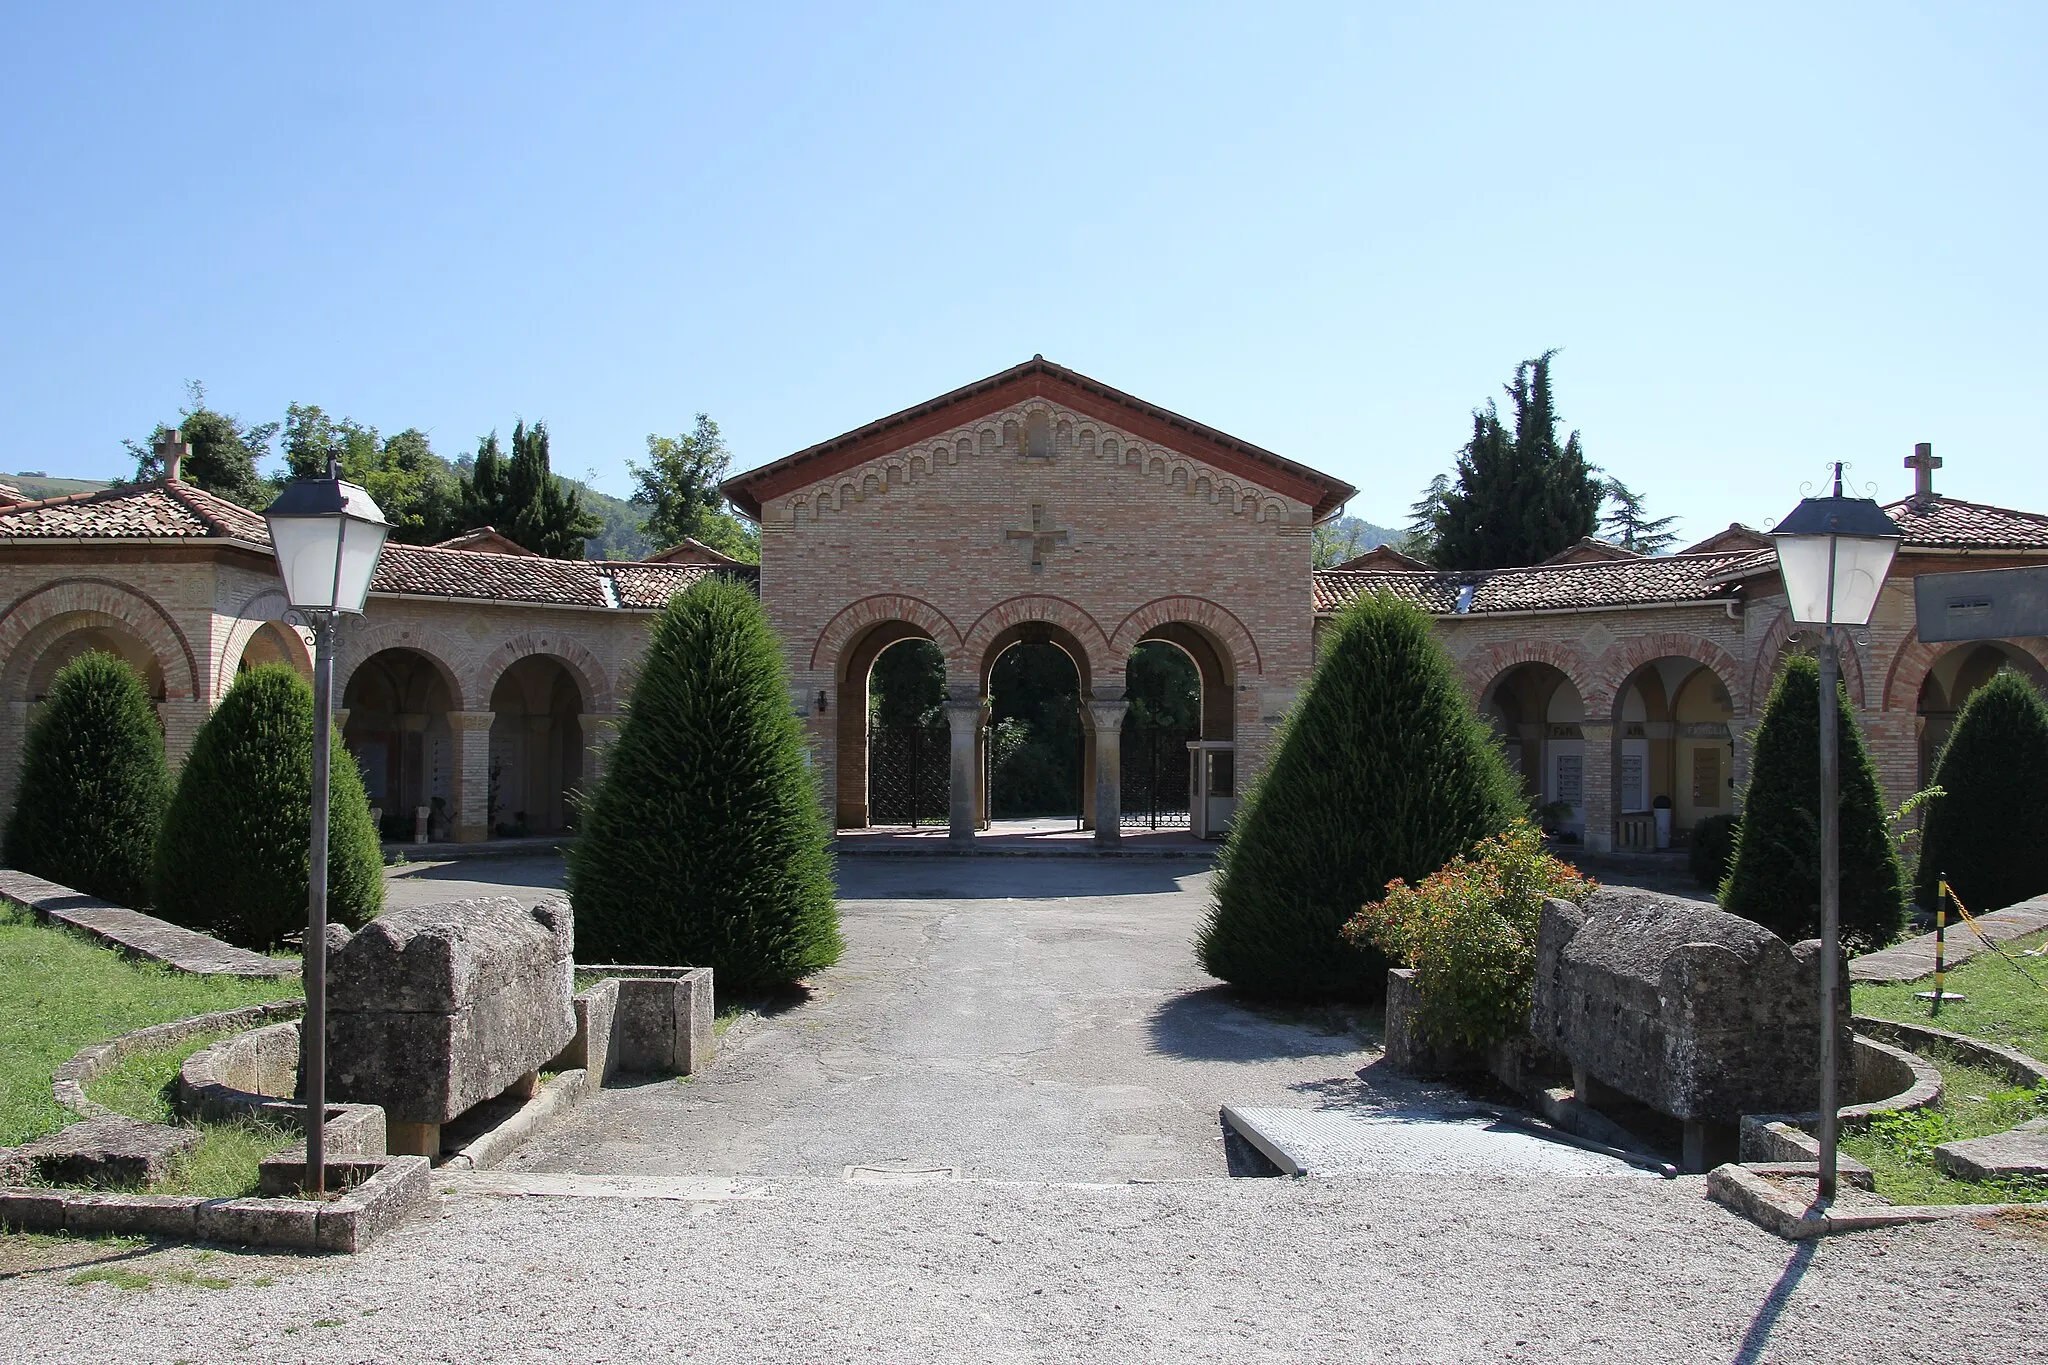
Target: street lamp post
[1833, 554]
[327, 535]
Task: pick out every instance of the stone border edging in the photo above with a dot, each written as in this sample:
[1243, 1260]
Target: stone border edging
[550, 1103]
[1746, 1190]
[135, 934]
[68, 1082]
[2017, 1066]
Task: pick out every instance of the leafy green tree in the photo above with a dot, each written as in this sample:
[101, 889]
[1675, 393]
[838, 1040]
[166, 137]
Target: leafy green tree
[1988, 832]
[225, 452]
[1419, 538]
[93, 784]
[416, 489]
[1775, 877]
[521, 496]
[1035, 705]
[1383, 773]
[678, 487]
[1627, 524]
[1522, 496]
[705, 841]
[235, 846]
[1342, 538]
[908, 685]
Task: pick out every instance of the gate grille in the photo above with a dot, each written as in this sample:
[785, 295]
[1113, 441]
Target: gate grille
[1155, 777]
[909, 775]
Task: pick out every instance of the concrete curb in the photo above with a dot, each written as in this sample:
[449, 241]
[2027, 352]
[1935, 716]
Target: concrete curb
[394, 1188]
[2017, 1066]
[1748, 1190]
[548, 1106]
[134, 934]
[68, 1082]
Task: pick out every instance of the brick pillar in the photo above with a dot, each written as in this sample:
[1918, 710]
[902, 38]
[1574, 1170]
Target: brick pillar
[1599, 779]
[472, 734]
[599, 730]
[1108, 715]
[964, 715]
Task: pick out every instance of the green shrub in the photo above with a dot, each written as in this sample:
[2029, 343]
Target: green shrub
[93, 784]
[1712, 849]
[1988, 832]
[1384, 772]
[705, 842]
[1775, 877]
[1469, 931]
[233, 855]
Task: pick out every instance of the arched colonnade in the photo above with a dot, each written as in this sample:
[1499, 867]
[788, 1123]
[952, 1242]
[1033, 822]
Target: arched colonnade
[1223, 652]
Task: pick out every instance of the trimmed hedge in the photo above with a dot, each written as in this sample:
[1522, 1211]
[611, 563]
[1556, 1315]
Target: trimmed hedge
[1712, 849]
[705, 842]
[1775, 877]
[1988, 834]
[236, 843]
[1383, 773]
[93, 784]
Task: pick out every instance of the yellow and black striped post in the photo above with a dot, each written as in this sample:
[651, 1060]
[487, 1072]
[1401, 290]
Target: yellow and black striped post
[1940, 941]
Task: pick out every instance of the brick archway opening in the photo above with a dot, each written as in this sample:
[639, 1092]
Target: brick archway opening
[853, 681]
[398, 703]
[1951, 676]
[1539, 714]
[1675, 726]
[1037, 743]
[536, 746]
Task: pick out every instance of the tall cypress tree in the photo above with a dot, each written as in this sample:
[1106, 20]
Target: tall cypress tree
[1520, 497]
[93, 784]
[1989, 833]
[705, 841]
[522, 497]
[1383, 771]
[1775, 877]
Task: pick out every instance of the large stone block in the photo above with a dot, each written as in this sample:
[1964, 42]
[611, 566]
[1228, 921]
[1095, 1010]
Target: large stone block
[110, 1150]
[435, 1008]
[666, 1023]
[1695, 1012]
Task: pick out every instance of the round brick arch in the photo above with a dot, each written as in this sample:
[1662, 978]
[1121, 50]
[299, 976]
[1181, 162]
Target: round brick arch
[1212, 617]
[1915, 659]
[258, 611]
[361, 642]
[110, 600]
[1622, 660]
[1764, 668]
[1488, 665]
[1105, 665]
[550, 644]
[854, 619]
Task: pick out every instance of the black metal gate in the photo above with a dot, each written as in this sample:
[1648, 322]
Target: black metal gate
[909, 775]
[1155, 777]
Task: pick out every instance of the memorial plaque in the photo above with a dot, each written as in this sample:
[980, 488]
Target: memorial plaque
[1984, 604]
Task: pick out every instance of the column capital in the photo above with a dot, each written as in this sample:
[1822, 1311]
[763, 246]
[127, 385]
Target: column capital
[471, 720]
[1108, 716]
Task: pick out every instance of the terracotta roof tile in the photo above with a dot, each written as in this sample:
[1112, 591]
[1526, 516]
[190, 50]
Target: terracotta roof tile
[1950, 523]
[1558, 587]
[149, 511]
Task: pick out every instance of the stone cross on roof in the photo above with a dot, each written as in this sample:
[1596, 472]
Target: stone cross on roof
[1041, 536]
[171, 451]
[1923, 462]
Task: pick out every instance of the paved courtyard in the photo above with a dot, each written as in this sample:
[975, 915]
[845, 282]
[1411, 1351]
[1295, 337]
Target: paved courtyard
[1038, 1024]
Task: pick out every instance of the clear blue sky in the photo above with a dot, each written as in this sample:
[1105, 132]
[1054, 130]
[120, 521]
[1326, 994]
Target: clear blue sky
[1762, 238]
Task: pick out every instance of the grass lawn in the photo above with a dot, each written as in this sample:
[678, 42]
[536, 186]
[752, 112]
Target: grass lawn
[2002, 1006]
[59, 992]
[224, 1166]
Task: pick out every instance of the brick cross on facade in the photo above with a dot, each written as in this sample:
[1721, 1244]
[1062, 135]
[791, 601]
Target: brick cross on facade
[1042, 537]
[1923, 462]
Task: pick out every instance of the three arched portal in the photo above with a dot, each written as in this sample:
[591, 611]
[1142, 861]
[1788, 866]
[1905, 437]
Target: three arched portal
[1033, 713]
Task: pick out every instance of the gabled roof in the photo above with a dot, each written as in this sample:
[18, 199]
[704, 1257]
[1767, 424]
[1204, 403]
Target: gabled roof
[10, 496]
[690, 550]
[1591, 551]
[1736, 537]
[1382, 557]
[487, 538]
[175, 511]
[1036, 378]
[1943, 523]
[1641, 581]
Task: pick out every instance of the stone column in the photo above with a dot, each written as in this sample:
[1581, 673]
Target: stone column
[1108, 715]
[1599, 780]
[472, 732]
[963, 713]
[598, 734]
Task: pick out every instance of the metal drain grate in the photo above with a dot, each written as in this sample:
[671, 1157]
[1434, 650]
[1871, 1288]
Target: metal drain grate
[900, 1173]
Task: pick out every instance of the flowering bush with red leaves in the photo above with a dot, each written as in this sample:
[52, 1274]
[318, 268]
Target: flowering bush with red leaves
[1469, 931]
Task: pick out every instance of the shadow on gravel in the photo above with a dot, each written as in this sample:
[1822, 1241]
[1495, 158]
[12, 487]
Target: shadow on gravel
[527, 870]
[1759, 1334]
[1215, 1023]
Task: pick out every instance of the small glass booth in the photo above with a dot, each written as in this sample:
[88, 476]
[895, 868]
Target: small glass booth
[1212, 786]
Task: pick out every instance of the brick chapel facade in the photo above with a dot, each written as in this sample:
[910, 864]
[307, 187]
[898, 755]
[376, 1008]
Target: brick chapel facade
[482, 683]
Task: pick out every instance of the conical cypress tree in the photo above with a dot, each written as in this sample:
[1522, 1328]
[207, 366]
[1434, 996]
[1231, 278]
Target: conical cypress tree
[93, 784]
[1989, 834]
[1775, 878]
[236, 844]
[705, 842]
[1384, 771]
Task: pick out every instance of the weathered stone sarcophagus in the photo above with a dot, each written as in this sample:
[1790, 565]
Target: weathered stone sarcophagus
[436, 1008]
[1694, 1012]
